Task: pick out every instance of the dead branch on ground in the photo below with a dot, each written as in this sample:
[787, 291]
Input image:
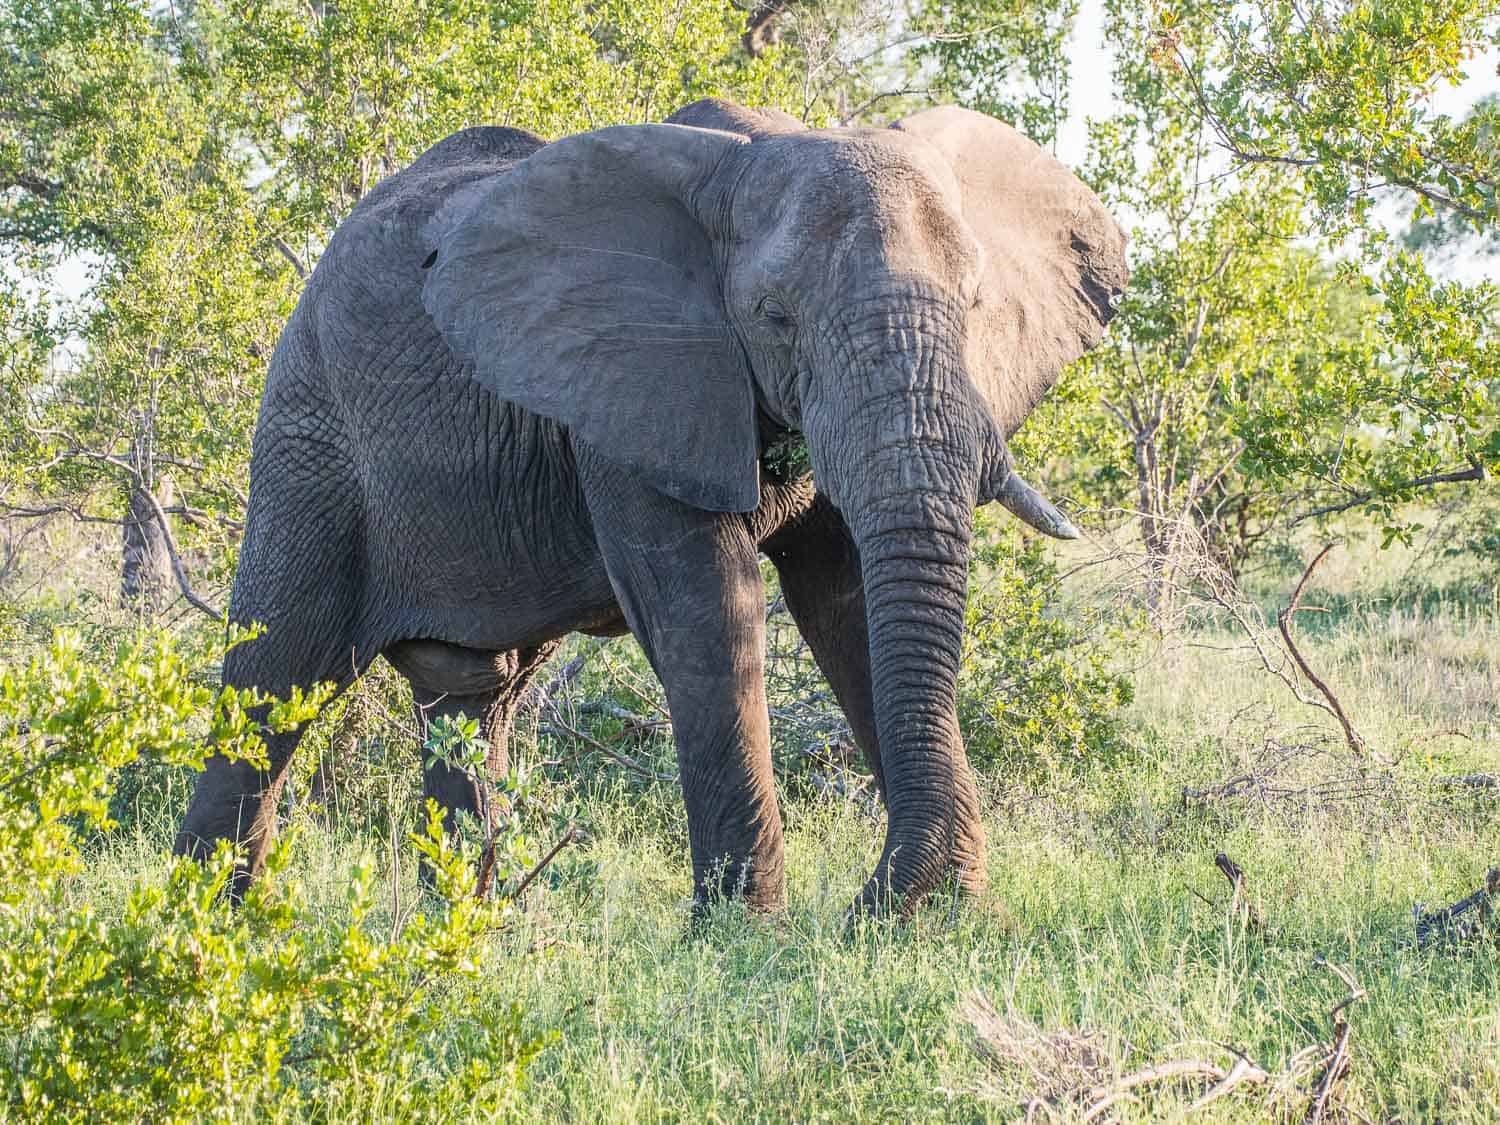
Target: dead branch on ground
[1445, 924]
[1243, 1072]
[1070, 1069]
[1054, 1062]
[1475, 782]
[1314, 774]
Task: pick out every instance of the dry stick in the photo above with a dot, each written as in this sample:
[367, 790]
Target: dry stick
[1236, 876]
[1243, 1071]
[570, 835]
[1336, 1063]
[1240, 616]
[1283, 622]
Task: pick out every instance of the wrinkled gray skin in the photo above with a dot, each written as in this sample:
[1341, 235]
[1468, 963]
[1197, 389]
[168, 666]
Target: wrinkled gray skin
[527, 392]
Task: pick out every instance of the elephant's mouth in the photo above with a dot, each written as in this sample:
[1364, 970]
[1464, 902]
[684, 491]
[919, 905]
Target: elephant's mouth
[786, 461]
[785, 458]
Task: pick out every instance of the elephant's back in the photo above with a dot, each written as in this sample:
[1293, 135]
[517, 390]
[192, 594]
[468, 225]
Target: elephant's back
[367, 288]
[475, 145]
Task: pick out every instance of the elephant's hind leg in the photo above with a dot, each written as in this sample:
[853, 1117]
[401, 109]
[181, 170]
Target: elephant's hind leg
[299, 580]
[449, 681]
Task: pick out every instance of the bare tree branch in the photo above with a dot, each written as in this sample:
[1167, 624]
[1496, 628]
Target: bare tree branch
[178, 570]
[1283, 622]
[19, 512]
[869, 103]
[1475, 472]
[290, 255]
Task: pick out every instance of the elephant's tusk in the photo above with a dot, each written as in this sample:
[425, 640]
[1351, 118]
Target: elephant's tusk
[1031, 507]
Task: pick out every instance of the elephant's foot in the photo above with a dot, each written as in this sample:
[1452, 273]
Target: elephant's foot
[884, 897]
[759, 883]
[234, 802]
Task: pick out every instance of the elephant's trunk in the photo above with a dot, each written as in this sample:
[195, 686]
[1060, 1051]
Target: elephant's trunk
[905, 454]
[915, 562]
[902, 461]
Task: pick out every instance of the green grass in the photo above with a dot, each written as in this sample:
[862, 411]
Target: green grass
[1087, 927]
[1094, 923]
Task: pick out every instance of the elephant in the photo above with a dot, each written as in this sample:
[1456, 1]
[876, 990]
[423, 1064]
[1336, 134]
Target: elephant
[529, 391]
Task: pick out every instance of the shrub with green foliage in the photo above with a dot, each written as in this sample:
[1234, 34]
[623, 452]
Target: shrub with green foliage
[176, 1006]
[1040, 685]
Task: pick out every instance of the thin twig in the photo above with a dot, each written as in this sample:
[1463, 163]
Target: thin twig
[568, 837]
[178, 570]
[1283, 622]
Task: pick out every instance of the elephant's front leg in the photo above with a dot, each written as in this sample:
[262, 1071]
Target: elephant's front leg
[690, 586]
[821, 581]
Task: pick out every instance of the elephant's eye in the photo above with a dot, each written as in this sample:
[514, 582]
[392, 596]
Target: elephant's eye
[774, 311]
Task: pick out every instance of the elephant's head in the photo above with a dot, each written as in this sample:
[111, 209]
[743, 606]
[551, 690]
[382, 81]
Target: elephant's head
[903, 297]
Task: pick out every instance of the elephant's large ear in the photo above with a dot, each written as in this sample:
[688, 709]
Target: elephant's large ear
[581, 285]
[1054, 258]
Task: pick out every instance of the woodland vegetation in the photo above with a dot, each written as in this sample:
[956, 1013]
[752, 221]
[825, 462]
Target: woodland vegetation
[1307, 356]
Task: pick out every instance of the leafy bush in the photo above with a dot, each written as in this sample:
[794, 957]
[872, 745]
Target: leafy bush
[362, 760]
[176, 1006]
[1039, 687]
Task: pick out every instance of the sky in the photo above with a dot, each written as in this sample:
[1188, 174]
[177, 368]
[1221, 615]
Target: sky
[1089, 94]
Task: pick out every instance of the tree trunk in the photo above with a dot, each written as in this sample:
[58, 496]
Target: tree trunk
[146, 581]
[762, 27]
[1156, 534]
